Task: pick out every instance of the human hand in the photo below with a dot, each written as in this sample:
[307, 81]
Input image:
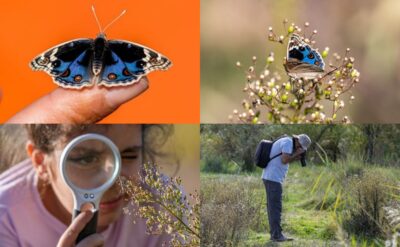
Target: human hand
[88, 105]
[298, 153]
[69, 237]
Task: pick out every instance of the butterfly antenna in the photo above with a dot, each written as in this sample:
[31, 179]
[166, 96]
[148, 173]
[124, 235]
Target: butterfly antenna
[120, 15]
[97, 20]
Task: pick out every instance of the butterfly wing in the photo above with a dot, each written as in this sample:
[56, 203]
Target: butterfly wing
[126, 62]
[302, 60]
[67, 63]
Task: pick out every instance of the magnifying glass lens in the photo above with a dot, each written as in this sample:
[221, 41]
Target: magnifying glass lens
[90, 164]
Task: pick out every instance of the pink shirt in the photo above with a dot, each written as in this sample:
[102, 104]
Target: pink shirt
[24, 221]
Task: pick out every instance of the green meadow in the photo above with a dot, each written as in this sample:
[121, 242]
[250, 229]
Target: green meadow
[315, 206]
[338, 199]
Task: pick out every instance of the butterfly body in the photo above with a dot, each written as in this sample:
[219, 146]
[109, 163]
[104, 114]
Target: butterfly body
[84, 62]
[302, 60]
[99, 46]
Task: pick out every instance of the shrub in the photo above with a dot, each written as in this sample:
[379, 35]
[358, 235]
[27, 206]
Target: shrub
[354, 169]
[230, 206]
[367, 196]
[214, 164]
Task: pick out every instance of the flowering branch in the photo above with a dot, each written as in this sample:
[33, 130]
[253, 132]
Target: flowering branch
[161, 202]
[297, 100]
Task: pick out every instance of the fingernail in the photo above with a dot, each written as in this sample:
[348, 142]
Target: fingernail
[88, 214]
[118, 95]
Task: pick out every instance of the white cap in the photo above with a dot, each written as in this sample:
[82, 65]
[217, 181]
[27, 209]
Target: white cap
[304, 140]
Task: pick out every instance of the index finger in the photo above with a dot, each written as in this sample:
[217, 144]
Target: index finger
[71, 234]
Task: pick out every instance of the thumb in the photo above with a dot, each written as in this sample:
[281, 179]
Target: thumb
[88, 105]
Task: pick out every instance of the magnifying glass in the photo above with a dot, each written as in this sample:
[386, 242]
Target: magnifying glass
[89, 165]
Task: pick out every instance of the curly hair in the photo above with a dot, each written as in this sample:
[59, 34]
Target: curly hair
[12, 143]
[43, 136]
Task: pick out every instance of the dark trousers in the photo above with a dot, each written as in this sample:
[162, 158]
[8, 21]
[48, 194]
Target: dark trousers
[274, 207]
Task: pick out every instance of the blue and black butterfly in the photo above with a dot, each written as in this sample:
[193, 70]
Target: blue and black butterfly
[84, 62]
[302, 61]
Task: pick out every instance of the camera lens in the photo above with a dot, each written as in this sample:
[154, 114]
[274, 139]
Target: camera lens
[303, 159]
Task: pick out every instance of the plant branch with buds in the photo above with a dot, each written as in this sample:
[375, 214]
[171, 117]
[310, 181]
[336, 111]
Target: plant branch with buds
[297, 100]
[161, 202]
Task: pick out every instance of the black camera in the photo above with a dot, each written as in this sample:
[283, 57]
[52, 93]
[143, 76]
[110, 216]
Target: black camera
[303, 159]
[303, 155]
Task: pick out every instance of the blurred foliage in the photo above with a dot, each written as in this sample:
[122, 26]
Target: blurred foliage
[236, 143]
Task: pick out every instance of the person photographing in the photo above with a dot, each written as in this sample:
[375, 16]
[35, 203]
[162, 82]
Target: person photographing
[284, 151]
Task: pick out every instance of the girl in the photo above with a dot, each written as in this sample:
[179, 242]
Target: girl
[36, 205]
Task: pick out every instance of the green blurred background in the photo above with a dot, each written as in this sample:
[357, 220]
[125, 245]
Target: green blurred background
[235, 30]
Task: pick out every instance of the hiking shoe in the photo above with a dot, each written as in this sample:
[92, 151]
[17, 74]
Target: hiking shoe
[282, 239]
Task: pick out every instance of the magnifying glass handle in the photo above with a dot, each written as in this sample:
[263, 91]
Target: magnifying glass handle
[90, 227]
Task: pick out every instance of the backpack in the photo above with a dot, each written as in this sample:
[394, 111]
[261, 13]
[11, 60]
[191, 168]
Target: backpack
[263, 152]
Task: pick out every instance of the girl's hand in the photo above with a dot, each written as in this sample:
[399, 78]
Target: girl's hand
[71, 234]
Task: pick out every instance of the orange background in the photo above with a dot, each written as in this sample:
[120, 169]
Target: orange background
[171, 27]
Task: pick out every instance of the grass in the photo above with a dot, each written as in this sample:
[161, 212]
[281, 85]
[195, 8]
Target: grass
[309, 202]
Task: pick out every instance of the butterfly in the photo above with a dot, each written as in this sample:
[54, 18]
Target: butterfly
[302, 61]
[84, 62]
